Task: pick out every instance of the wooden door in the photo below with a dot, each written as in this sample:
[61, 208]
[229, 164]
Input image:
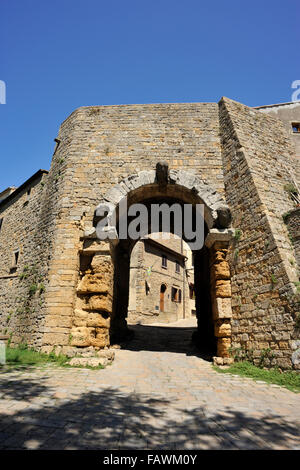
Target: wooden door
[162, 298]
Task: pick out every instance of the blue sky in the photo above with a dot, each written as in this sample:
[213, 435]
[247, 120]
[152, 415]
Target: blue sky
[59, 55]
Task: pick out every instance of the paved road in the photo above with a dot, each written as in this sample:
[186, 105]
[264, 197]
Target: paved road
[158, 394]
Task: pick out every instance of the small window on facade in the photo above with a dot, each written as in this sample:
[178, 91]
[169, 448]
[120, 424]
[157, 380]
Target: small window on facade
[27, 197]
[164, 261]
[192, 291]
[296, 127]
[1, 221]
[14, 261]
[177, 268]
[176, 295]
[147, 287]
[16, 257]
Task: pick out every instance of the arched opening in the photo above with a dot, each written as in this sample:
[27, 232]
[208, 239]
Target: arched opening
[210, 286]
[167, 304]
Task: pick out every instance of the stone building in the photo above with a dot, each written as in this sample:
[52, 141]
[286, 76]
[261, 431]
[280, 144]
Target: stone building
[62, 288]
[159, 288]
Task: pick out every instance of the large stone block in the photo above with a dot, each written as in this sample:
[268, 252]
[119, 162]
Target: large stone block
[222, 288]
[80, 318]
[223, 330]
[80, 336]
[220, 270]
[101, 338]
[97, 320]
[222, 308]
[55, 339]
[95, 283]
[100, 302]
[58, 321]
[102, 265]
[223, 346]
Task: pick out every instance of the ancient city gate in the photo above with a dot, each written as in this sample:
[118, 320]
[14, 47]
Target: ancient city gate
[102, 292]
[68, 291]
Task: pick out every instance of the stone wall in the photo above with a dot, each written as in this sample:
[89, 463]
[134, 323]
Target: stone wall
[288, 113]
[292, 220]
[257, 159]
[23, 285]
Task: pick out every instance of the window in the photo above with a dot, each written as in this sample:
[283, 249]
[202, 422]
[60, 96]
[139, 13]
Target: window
[1, 221]
[192, 291]
[16, 258]
[164, 261]
[27, 196]
[176, 295]
[177, 267]
[14, 261]
[296, 127]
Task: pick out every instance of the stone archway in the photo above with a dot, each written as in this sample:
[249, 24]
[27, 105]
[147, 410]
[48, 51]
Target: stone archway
[95, 292]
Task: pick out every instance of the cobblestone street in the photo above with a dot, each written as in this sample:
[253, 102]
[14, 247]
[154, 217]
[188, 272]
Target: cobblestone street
[157, 394]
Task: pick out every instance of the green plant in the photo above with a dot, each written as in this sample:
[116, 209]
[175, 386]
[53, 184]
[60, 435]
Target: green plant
[24, 274]
[9, 339]
[23, 356]
[265, 354]
[285, 216]
[288, 379]
[94, 111]
[241, 354]
[292, 192]
[41, 288]
[237, 234]
[236, 254]
[32, 289]
[290, 188]
[297, 284]
[273, 280]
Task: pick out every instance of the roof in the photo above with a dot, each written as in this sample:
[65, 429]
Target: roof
[277, 104]
[23, 186]
[164, 248]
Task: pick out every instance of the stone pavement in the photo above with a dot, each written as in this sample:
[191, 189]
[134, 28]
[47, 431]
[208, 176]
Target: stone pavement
[158, 394]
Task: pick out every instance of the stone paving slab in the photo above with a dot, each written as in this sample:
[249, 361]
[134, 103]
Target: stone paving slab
[147, 399]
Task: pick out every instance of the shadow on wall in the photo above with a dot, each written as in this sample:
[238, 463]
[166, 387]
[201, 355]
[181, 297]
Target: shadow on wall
[112, 419]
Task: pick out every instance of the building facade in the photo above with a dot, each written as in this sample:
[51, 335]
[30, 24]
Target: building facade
[159, 281]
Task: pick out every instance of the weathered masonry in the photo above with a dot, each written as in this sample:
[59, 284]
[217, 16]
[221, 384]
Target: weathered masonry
[62, 288]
